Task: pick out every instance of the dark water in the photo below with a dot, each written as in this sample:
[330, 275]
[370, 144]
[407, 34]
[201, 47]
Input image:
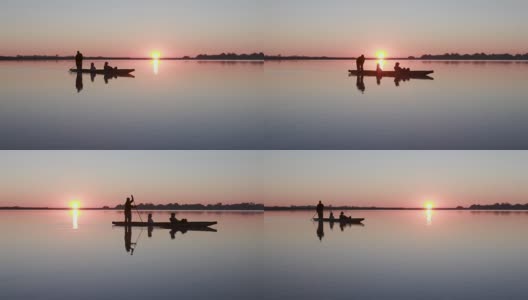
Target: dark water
[57, 255]
[272, 105]
[275, 255]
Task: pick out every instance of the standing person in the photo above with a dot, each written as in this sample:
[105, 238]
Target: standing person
[128, 209]
[78, 60]
[360, 61]
[320, 210]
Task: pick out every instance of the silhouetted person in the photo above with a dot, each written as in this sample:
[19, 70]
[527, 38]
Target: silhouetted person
[399, 69]
[107, 67]
[128, 209]
[320, 230]
[92, 68]
[342, 217]
[360, 61]
[332, 218]
[320, 210]
[173, 219]
[360, 84]
[150, 221]
[378, 69]
[79, 60]
[92, 77]
[79, 82]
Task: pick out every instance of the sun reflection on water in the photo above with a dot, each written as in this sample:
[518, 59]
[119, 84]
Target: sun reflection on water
[155, 66]
[75, 218]
[429, 216]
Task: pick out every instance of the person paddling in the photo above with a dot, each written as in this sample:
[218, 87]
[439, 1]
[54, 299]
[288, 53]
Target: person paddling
[128, 209]
[320, 210]
[78, 60]
[360, 61]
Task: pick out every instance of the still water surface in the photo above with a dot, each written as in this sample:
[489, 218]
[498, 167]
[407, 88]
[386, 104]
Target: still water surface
[275, 255]
[256, 105]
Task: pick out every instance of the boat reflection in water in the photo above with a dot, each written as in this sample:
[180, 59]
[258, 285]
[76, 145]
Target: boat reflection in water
[79, 78]
[342, 225]
[131, 246]
[360, 81]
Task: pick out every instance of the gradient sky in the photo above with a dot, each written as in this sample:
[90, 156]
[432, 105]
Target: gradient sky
[381, 178]
[340, 28]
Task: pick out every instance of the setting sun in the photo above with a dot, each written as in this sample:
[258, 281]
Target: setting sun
[155, 55]
[381, 54]
[75, 204]
[428, 205]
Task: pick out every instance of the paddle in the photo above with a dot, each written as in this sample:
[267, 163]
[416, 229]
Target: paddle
[139, 215]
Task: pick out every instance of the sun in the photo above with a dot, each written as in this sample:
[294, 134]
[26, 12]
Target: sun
[75, 204]
[155, 55]
[381, 54]
[428, 205]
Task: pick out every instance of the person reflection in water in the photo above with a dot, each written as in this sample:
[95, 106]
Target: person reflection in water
[79, 82]
[360, 84]
[128, 240]
[320, 230]
[150, 223]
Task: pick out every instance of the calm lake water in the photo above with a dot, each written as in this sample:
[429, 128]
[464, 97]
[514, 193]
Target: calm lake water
[275, 255]
[254, 105]
[57, 255]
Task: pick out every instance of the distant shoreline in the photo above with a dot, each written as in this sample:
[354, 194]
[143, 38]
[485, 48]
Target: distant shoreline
[493, 207]
[262, 57]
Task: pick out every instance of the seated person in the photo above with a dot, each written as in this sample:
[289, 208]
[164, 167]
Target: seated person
[150, 221]
[378, 68]
[397, 67]
[173, 219]
[107, 67]
[331, 216]
[92, 68]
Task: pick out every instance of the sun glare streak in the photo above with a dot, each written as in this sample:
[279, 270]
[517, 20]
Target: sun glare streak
[155, 66]
[380, 55]
[75, 219]
[429, 212]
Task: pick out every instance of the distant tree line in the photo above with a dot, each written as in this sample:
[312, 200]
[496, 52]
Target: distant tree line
[476, 56]
[217, 206]
[500, 206]
[226, 56]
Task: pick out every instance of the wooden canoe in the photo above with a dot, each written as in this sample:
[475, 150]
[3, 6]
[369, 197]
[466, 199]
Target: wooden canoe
[408, 74]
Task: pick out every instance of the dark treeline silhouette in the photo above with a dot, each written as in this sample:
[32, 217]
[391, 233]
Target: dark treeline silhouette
[150, 206]
[177, 206]
[500, 206]
[476, 56]
[496, 206]
[278, 57]
[232, 56]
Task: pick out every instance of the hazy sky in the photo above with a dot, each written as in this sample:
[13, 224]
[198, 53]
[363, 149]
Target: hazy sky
[381, 178]
[335, 27]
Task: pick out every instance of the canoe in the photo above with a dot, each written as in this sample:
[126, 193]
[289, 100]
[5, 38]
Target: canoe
[346, 221]
[409, 74]
[166, 224]
[118, 72]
